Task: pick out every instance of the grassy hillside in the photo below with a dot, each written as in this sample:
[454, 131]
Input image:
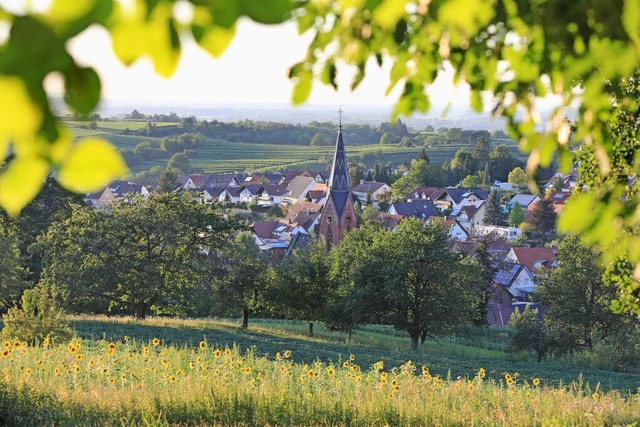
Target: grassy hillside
[194, 372]
[224, 156]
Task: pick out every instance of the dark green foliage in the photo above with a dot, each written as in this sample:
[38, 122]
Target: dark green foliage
[144, 254]
[576, 297]
[530, 333]
[501, 162]
[543, 217]
[493, 211]
[12, 281]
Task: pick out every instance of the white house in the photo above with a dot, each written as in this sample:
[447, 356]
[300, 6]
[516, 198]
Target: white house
[508, 233]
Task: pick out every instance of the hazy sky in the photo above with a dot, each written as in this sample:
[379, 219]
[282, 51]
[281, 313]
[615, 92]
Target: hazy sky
[253, 69]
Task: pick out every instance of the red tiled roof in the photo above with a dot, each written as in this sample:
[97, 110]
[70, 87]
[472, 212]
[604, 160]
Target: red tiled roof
[531, 256]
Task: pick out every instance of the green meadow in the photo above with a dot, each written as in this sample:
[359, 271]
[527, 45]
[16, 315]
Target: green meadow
[119, 371]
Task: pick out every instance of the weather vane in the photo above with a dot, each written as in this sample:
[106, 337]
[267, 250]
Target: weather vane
[340, 117]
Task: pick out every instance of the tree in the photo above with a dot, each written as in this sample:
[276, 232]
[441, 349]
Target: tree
[319, 139]
[143, 150]
[389, 138]
[472, 181]
[304, 286]
[420, 174]
[463, 164]
[420, 286]
[543, 217]
[180, 162]
[576, 297]
[516, 216]
[12, 274]
[145, 253]
[501, 162]
[517, 177]
[481, 150]
[246, 274]
[486, 177]
[530, 332]
[493, 210]
[168, 181]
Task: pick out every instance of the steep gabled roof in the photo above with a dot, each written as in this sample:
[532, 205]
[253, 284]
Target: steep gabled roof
[388, 221]
[275, 190]
[298, 185]
[535, 258]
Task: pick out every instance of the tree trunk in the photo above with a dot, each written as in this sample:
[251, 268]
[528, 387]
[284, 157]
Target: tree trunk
[415, 337]
[245, 318]
[310, 329]
[350, 331]
[423, 337]
[141, 310]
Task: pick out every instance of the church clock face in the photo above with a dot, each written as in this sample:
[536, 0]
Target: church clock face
[329, 219]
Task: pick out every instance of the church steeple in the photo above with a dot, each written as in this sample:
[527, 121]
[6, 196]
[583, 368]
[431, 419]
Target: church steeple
[338, 214]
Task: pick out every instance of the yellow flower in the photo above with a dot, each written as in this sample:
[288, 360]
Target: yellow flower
[7, 344]
[28, 371]
[155, 342]
[309, 395]
[46, 342]
[482, 373]
[72, 348]
[112, 380]
[164, 362]
[345, 364]
[379, 365]
[227, 352]
[80, 356]
[510, 381]
[111, 348]
[536, 382]
[508, 377]
[217, 353]
[595, 396]
[146, 351]
[203, 345]
[17, 344]
[352, 357]
[247, 370]
[330, 371]
[287, 354]
[6, 353]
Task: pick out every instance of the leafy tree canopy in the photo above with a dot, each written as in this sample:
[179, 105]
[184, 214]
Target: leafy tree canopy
[517, 51]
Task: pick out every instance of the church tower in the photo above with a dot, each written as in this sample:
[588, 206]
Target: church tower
[338, 215]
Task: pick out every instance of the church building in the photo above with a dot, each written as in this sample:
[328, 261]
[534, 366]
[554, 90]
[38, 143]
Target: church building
[338, 215]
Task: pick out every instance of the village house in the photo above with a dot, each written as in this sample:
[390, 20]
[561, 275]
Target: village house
[113, 191]
[536, 259]
[297, 189]
[507, 233]
[372, 189]
[512, 283]
[271, 195]
[524, 200]
[422, 209]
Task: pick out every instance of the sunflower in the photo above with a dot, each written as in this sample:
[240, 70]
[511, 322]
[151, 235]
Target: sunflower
[46, 342]
[203, 345]
[72, 348]
[595, 396]
[287, 354]
[352, 357]
[145, 351]
[247, 370]
[345, 364]
[6, 353]
[7, 344]
[227, 352]
[80, 356]
[482, 373]
[155, 342]
[217, 353]
[536, 382]
[111, 348]
[164, 362]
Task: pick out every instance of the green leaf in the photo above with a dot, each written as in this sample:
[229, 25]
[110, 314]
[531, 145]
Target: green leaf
[631, 19]
[215, 39]
[303, 86]
[20, 183]
[267, 12]
[389, 12]
[91, 165]
[579, 214]
[82, 89]
[21, 117]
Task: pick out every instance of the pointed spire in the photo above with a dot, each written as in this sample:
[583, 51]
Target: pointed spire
[339, 188]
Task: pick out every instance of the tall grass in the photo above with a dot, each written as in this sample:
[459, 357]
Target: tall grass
[133, 382]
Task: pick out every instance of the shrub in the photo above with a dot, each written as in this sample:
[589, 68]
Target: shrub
[40, 316]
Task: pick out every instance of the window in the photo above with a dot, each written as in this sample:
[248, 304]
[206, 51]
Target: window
[329, 219]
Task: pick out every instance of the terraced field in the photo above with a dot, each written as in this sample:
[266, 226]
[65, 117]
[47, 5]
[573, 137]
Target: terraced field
[224, 156]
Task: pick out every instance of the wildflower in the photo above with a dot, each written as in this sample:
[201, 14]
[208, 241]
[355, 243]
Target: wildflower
[309, 395]
[378, 366]
[80, 356]
[46, 342]
[345, 364]
[112, 380]
[508, 377]
[287, 354]
[172, 378]
[595, 396]
[536, 382]
[145, 350]
[72, 348]
[227, 352]
[28, 371]
[510, 381]
[111, 348]
[259, 376]
[247, 370]
[217, 353]
[164, 362]
[155, 342]
[17, 344]
[7, 344]
[6, 353]
[203, 345]
[330, 371]
[482, 373]
[352, 357]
